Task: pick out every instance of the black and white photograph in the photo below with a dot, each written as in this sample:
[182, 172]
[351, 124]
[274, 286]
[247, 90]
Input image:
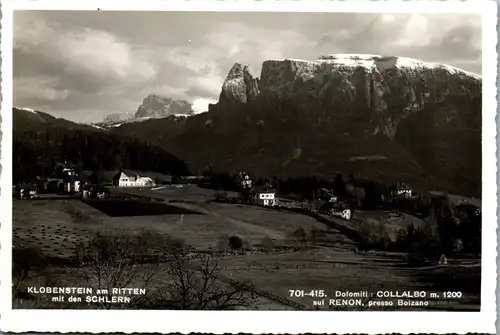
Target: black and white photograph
[169, 160]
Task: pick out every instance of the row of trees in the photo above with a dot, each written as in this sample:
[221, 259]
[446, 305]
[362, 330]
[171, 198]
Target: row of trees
[37, 153]
[363, 193]
[446, 228]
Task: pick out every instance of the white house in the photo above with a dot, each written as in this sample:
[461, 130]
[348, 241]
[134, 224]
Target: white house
[71, 183]
[72, 186]
[264, 196]
[122, 180]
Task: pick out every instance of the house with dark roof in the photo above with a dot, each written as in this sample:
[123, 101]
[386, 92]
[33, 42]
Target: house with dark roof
[264, 195]
[123, 180]
[401, 190]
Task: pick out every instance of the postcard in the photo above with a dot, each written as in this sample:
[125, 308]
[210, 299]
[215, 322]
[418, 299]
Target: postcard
[248, 166]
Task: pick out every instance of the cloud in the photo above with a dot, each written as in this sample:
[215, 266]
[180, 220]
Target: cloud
[84, 51]
[201, 105]
[86, 65]
[60, 64]
[42, 88]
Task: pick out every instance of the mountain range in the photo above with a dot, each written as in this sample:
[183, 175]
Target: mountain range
[154, 106]
[382, 118]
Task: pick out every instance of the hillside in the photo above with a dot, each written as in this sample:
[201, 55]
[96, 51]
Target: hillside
[385, 118]
[41, 140]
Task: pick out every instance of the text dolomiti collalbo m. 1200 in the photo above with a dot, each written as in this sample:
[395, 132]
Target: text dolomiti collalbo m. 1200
[378, 299]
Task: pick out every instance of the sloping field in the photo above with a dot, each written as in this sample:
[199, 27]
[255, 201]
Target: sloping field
[54, 227]
[57, 226]
[340, 271]
[287, 223]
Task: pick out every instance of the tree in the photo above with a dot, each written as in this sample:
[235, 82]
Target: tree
[235, 242]
[275, 183]
[117, 162]
[114, 261]
[25, 260]
[314, 188]
[79, 166]
[339, 186]
[300, 235]
[198, 286]
[97, 177]
[373, 195]
[59, 171]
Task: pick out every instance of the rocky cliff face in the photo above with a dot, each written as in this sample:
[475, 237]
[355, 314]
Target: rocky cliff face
[383, 90]
[157, 106]
[386, 118]
[240, 86]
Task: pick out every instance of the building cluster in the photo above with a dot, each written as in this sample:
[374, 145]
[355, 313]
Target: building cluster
[265, 195]
[66, 180]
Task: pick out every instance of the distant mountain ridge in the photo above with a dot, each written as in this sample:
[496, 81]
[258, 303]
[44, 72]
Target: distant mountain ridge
[154, 106]
[157, 106]
[118, 117]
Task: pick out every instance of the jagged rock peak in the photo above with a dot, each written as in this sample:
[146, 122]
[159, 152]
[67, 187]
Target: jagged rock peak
[236, 71]
[240, 85]
[158, 106]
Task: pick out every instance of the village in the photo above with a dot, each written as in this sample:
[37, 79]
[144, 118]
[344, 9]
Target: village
[66, 182]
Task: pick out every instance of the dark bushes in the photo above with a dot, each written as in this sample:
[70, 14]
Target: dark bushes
[235, 242]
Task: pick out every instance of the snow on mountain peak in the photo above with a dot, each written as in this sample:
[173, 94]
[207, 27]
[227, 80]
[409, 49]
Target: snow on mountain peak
[26, 109]
[371, 62]
[386, 62]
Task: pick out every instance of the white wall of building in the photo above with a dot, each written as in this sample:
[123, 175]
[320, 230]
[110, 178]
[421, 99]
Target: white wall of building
[266, 199]
[138, 182]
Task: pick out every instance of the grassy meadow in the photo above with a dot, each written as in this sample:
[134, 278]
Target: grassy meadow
[281, 250]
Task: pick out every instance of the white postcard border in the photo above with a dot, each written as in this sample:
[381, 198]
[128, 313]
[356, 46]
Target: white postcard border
[263, 321]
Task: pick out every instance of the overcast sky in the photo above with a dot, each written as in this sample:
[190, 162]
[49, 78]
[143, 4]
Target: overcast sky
[85, 65]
